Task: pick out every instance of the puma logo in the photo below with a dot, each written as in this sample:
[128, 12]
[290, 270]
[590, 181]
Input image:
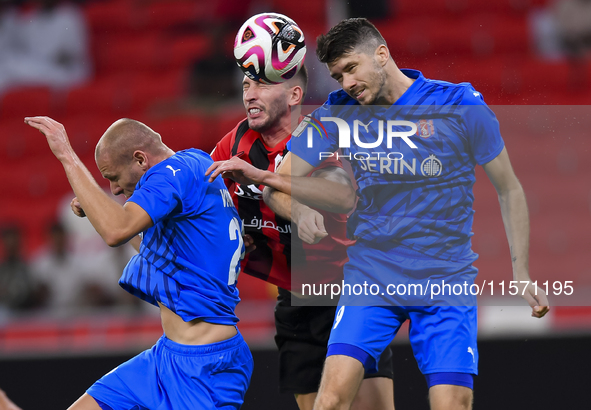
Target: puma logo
[174, 171]
[363, 125]
[472, 353]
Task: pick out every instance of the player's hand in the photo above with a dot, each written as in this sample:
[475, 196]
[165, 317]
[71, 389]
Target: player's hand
[248, 243]
[77, 208]
[238, 170]
[56, 135]
[6, 403]
[310, 224]
[536, 297]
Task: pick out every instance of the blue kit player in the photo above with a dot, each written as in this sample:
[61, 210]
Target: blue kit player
[189, 257]
[414, 216]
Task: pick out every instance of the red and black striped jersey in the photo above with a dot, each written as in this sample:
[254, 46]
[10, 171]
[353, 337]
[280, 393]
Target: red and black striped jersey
[279, 250]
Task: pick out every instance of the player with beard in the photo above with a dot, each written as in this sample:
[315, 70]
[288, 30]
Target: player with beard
[302, 331]
[411, 224]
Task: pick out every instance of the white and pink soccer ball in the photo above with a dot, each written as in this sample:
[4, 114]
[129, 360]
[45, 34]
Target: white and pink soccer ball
[270, 48]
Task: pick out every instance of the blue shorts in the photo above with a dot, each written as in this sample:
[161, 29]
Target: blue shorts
[443, 338]
[442, 330]
[387, 275]
[171, 376]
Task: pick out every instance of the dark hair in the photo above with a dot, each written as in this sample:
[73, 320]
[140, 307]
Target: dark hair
[345, 37]
[302, 78]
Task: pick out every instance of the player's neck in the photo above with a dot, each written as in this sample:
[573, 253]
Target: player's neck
[396, 85]
[161, 155]
[274, 137]
[277, 133]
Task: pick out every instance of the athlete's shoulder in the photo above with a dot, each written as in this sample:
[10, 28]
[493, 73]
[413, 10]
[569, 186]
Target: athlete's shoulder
[448, 93]
[189, 161]
[340, 97]
[224, 147]
[189, 155]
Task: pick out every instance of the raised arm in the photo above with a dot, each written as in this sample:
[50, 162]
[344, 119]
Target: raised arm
[290, 178]
[115, 223]
[516, 221]
[310, 222]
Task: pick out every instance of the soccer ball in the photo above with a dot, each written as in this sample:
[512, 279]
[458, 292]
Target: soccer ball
[270, 48]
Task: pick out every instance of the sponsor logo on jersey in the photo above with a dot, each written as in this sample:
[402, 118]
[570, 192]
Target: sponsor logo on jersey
[431, 166]
[249, 192]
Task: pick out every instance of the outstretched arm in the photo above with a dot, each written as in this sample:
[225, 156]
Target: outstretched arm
[115, 223]
[290, 178]
[310, 222]
[516, 221]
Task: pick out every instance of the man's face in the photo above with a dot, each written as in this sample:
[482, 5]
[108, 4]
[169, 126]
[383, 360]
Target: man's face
[360, 75]
[122, 178]
[265, 104]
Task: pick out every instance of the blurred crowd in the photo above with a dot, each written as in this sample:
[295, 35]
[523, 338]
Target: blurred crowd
[71, 274]
[42, 42]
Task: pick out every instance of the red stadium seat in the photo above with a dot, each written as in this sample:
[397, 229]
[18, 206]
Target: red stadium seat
[228, 120]
[111, 15]
[27, 101]
[187, 131]
[131, 53]
[186, 49]
[303, 10]
[163, 14]
[408, 8]
[19, 142]
[146, 89]
[106, 95]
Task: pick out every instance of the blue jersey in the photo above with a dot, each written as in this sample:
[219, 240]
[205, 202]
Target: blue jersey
[189, 260]
[415, 190]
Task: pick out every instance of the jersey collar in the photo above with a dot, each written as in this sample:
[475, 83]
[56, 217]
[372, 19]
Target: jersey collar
[419, 80]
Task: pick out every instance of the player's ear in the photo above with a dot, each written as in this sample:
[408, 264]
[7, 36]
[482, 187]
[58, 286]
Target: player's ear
[141, 159]
[296, 95]
[382, 54]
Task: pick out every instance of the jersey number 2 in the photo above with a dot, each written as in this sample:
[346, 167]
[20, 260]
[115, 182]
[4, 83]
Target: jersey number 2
[235, 233]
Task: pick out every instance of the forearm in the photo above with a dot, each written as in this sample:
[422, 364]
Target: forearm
[314, 192]
[107, 216]
[516, 221]
[282, 204]
[279, 202]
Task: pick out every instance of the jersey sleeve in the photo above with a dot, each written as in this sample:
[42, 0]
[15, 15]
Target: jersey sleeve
[223, 149]
[315, 139]
[160, 195]
[481, 126]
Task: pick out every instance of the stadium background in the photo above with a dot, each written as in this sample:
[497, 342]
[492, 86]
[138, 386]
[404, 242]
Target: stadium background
[143, 53]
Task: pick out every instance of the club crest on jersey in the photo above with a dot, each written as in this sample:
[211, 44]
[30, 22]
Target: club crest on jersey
[431, 166]
[425, 128]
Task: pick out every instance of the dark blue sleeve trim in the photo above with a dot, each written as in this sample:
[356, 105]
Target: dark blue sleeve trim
[102, 405]
[456, 379]
[355, 352]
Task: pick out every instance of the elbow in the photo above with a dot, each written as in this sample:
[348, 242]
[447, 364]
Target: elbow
[267, 193]
[115, 239]
[348, 201]
[348, 204]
